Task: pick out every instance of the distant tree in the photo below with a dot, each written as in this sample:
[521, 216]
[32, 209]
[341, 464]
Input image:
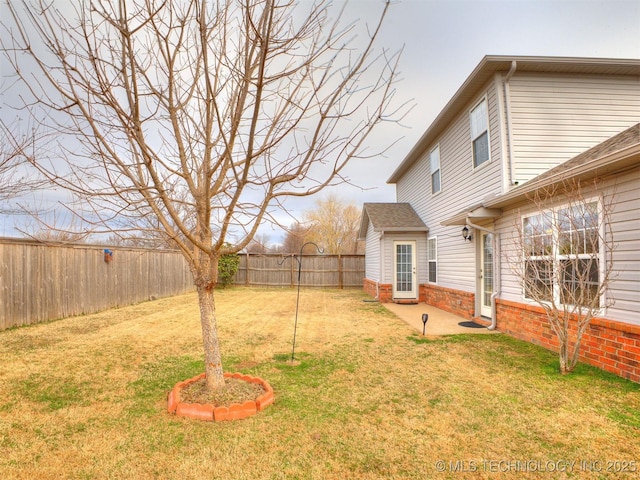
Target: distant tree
[204, 115]
[294, 239]
[53, 230]
[259, 244]
[333, 225]
[562, 255]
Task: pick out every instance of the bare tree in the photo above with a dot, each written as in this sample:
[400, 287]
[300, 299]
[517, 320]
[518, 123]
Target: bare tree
[202, 114]
[259, 243]
[333, 225]
[295, 238]
[17, 177]
[565, 262]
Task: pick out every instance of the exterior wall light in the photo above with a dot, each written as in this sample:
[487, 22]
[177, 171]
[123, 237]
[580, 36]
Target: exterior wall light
[466, 234]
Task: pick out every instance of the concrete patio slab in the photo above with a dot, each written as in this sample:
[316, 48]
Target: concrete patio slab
[440, 322]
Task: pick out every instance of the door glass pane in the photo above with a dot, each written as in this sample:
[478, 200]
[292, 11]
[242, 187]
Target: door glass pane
[404, 268]
[487, 261]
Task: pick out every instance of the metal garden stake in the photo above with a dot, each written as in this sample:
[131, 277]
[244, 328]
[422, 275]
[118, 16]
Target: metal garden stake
[299, 260]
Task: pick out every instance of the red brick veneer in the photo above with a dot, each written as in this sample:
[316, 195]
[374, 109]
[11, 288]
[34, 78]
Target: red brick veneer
[454, 301]
[607, 344]
[383, 292]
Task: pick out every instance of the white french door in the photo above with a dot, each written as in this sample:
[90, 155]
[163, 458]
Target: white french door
[404, 270]
[486, 274]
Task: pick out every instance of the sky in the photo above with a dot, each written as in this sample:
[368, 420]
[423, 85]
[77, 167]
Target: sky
[443, 41]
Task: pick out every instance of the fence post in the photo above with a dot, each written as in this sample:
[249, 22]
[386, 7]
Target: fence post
[340, 279]
[246, 274]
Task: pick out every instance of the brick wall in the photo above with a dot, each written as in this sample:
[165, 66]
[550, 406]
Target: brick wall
[454, 301]
[382, 291]
[606, 344]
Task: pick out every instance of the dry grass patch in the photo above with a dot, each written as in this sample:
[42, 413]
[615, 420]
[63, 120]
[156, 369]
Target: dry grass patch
[85, 397]
[234, 391]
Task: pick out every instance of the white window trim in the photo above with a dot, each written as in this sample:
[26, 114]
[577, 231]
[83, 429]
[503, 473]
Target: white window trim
[439, 170]
[602, 257]
[488, 130]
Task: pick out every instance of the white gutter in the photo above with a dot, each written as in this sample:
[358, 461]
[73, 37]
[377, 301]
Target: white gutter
[380, 258]
[496, 269]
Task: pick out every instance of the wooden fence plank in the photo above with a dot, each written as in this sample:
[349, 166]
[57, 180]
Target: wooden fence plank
[41, 282]
[276, 270]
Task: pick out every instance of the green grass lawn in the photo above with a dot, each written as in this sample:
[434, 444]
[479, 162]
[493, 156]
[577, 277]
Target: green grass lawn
[85, 397]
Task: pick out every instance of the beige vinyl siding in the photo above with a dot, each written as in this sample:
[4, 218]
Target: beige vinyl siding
[510, 250]
[372, 255]
[625, 286]
[462, 187]
[554, 117]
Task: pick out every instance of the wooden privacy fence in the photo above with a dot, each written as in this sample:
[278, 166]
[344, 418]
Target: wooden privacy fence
[40, 282]
[276, 270]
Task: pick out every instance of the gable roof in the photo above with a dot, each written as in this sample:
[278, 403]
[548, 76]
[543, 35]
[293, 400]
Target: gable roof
[390, 217]
[488, 67]
[617, 154]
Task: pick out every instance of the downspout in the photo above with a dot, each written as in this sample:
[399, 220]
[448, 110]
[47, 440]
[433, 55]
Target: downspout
[507, 96]
[381, 269]
[496, 269]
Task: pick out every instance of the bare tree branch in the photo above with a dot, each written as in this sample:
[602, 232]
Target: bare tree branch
[17, 177]
[564, 261]
[199, 114]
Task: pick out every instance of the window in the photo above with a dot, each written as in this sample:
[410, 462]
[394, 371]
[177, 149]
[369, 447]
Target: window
[562, 255]
[578, 252]
[480, 133]
[432, 254]
[434, 159]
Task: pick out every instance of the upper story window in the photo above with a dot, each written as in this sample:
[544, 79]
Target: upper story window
[480, 133]
[434, 160]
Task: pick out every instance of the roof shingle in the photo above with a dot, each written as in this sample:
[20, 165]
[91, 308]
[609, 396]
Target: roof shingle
[385, 217]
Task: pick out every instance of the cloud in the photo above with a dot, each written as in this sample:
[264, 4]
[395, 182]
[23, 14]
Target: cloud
[443, 41]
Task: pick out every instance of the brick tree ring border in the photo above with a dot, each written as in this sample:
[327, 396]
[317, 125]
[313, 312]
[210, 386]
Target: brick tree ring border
[235, 411]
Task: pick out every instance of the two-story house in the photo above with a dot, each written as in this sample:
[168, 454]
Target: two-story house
[516, 126]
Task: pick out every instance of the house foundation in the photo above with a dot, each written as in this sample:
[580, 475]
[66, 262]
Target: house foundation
[454, 301]
[606, 344]
[380, 291]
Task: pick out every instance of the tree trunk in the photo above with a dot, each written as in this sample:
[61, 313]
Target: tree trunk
[564, 356]
[210, 343]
